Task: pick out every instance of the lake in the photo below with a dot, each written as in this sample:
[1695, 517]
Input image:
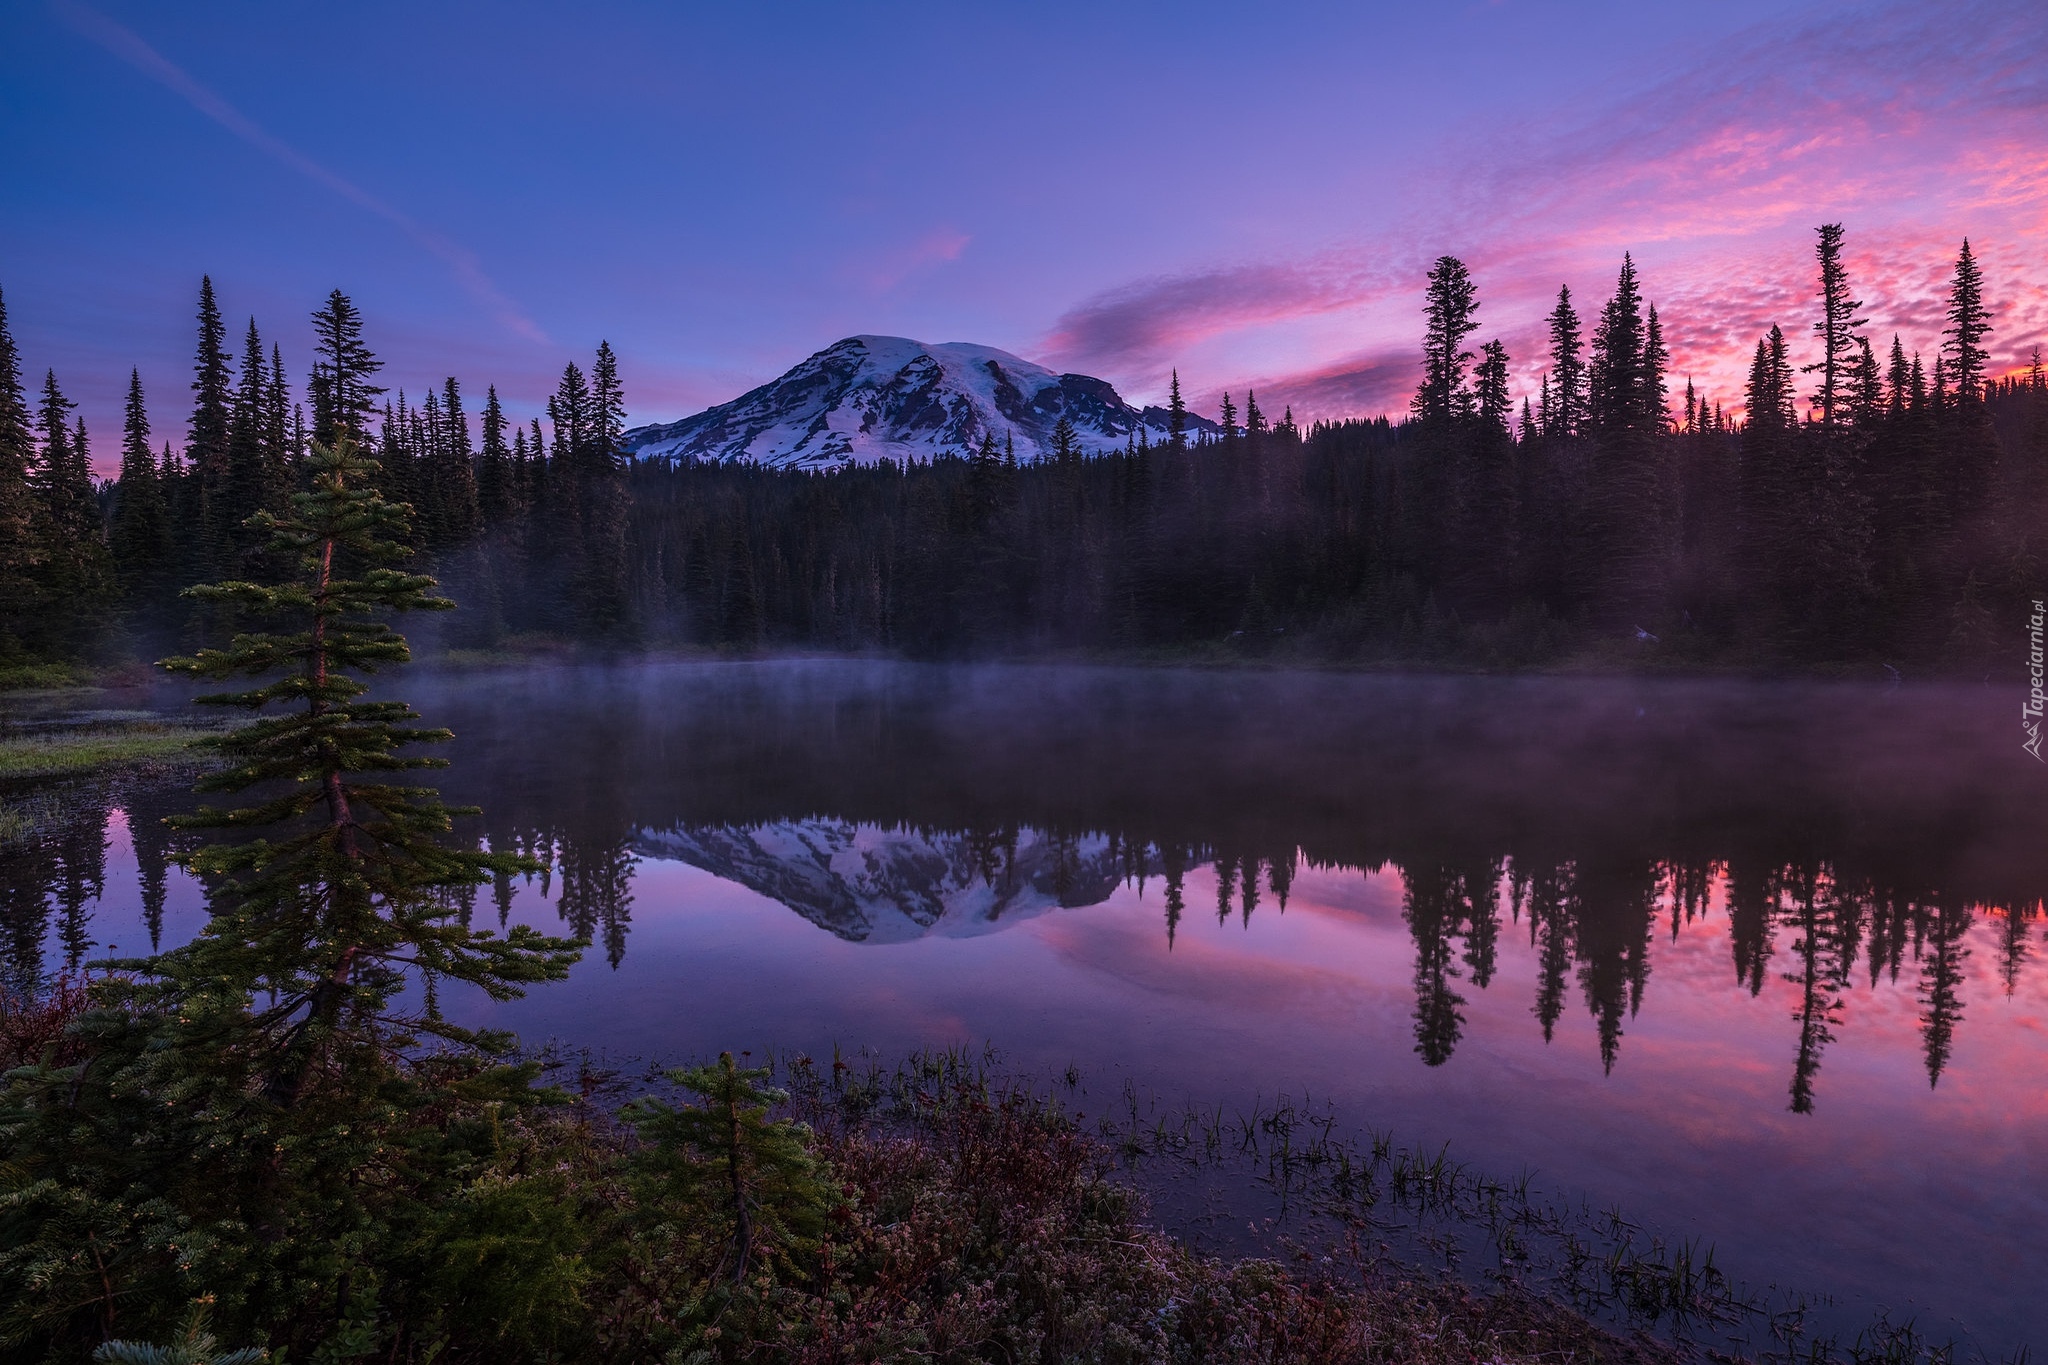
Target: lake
[1758, 963]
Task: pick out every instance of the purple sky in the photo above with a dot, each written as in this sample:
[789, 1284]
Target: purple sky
[1252, 194]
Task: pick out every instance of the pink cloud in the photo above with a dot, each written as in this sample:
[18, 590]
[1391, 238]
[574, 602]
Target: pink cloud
[884, 272]
[1914, 127]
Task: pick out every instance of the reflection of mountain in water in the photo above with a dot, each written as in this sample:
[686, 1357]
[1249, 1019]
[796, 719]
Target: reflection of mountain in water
[870, 884]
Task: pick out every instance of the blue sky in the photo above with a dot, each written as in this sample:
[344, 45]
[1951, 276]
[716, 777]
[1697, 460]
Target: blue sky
[1249, 193]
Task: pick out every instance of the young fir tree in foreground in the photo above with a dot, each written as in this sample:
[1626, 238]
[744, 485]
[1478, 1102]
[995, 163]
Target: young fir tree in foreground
[358, 889]
[275, 1113]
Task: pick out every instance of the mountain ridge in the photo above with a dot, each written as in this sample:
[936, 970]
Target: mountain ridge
[870, 398]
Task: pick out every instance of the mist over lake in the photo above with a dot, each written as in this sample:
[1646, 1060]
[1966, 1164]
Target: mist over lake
[1757, 963]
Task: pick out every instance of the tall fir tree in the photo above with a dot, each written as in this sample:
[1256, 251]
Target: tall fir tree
[1450, 302]
[347, 901]
[1566, 410]
[1616, 387]
[603, 587]
[494, 471]
[342, 393]
[1837, 329]
[76, 582]
[248, 488]
[140, 536]
[1496, 404]
[1969, 322]
[18, 547]
[209, 545]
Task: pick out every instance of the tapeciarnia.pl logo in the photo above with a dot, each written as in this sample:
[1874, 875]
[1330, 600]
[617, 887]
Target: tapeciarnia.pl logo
[2030, 714]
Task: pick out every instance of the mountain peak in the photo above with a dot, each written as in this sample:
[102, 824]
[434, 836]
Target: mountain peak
[870, 398]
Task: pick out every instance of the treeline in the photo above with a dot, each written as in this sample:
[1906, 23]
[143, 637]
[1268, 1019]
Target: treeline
[94, 570]
[1895, 520]
[1898, 521]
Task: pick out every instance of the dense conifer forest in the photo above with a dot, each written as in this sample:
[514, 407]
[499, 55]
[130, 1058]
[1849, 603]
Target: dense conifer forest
[1877, 507]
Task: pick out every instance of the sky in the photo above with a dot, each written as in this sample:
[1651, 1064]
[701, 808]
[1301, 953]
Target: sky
[1251, 195]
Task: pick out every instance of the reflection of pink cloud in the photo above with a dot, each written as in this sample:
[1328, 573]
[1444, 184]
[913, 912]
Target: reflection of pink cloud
[1912, 126]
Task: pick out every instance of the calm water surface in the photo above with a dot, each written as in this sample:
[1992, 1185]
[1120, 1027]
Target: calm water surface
[1759, 964]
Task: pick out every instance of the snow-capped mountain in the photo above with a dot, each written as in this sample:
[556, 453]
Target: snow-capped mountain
[868, 884]
[871, 398]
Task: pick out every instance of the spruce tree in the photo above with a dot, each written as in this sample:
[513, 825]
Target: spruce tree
[767, 1183]
[206, 445]
[1176, 415]
[1449, 304]
[495, 466]
[1898, 379]
[1968, 324]
[280, 447]
[1866, 388]
[349, 896]
[1616, 398]
[1837, 329]
[1496, 404]
[140, 537]
[247, 488]
[602, 491]
[1656, 360]
[74, 576]
[1566, 409]
[342, 393]
[18, 545]
[455, 472]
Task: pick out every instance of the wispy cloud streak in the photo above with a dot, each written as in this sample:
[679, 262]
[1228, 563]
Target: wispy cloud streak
[125, 44]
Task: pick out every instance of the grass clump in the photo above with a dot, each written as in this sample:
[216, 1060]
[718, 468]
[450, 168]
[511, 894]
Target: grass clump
[75, 753]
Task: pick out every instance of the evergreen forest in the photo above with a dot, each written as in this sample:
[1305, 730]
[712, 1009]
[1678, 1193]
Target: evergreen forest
[1878, 505]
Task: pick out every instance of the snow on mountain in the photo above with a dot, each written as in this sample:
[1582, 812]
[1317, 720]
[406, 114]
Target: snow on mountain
[871, 398]
[868, 884]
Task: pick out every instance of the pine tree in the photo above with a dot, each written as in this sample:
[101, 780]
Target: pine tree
[1228, 416]
[1176, 415]
[495, 466]
[772, 1189]
[340, 387]
[76, 582]
[247, 488]
[1617, 379]
[1866, 387]
[1968, 324]
[18, 541]
[207, 440]
[140, 538]
[1836, 329]
[1491, 387]
[1656, 359]
[603, 494]
[280, 449]
[1898, 380]
[1566, 409]
[348, 900]
[1450, 302]
[1254, 420]
[455, 472]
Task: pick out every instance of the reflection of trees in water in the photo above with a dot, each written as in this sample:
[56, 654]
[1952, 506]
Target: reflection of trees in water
[1941, 956]
[48, 883]
[1591, 920]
